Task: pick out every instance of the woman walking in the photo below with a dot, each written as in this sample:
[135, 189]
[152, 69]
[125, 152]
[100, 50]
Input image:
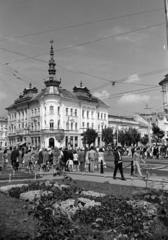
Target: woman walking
[136, 161]
[5, 159]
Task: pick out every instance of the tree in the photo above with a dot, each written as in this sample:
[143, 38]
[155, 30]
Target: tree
[107, 135]
[145, 139]
[157, 133]
[89, 136]
[130, 136]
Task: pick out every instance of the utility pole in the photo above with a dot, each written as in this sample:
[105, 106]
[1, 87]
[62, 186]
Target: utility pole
[148, 120]
[149, 123]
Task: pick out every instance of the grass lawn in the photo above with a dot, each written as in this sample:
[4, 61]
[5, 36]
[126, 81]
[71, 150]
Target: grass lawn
[13, 212]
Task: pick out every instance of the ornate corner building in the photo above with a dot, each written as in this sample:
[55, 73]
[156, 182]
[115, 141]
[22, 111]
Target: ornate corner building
[55, 116]
[3, 132]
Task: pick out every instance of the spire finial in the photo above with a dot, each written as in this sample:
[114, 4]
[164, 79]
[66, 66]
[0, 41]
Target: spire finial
[30, 85]
[80, 83]
[52, 64]
[51, 42]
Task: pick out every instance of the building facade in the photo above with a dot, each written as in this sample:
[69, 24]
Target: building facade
[124, 123]
[55, 116]
[3, 132]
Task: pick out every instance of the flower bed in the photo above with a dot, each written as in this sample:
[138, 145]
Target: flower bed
[70, 206]
[93, 194]
[62, 213]
[6, 189]
[32, 195]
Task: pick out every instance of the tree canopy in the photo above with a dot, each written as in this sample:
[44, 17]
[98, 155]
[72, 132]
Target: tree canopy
[130, 136]
[89, 136]
[157, 132]
[107, 135]
[145, 139]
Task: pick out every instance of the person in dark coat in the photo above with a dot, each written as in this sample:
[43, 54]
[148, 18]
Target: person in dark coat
[14, 158]
[40, 162]
[118, 163]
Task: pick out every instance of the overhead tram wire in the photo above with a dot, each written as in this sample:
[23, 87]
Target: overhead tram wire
[81, 24]
[77, 45]
[8, 87]
[128, 93]
[90, 75]
[15, 72]
[28, 79]
[110, 81]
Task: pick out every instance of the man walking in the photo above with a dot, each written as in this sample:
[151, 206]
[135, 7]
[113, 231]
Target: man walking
[81, 158]
[118, 164]
[14, 158]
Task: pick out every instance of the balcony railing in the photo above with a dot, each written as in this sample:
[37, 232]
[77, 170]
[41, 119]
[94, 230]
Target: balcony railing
[51, 130]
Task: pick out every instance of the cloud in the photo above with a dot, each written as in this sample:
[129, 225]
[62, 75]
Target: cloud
[21, 42]
[133, 78]
[103, 94]
[133, 99]
[136, 38]
[3, 95]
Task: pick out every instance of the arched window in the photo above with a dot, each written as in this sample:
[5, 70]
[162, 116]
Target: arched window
[51, 124]
[71, 125]
[76, 126]
[51, 109]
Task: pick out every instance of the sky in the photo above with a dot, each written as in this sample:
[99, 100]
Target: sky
[117, 48]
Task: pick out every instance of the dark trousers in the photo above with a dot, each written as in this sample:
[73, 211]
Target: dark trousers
[118, 166]
[82, 166]
[132, 168]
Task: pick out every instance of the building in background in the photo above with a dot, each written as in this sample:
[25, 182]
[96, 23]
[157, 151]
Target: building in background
[55, 116]
[119, 123]
[164, 84]
[3, 132]
[159, 119]
[124, 123]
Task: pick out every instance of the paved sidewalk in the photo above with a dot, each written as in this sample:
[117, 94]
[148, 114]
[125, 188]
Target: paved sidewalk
[155, 181]
[97, 177]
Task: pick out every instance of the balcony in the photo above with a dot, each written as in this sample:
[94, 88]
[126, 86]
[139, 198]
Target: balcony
[58, 133]
[52, 130]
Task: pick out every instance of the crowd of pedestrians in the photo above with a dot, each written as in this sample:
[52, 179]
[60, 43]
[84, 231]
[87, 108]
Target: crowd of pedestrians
[151, 152]
[67, 159]
[76, 159]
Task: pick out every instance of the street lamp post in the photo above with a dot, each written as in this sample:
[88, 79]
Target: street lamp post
[148, 120]
[69, 120]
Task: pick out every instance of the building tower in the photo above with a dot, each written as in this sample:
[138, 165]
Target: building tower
[164, 84]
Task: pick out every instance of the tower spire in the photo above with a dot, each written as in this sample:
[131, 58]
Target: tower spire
[52, 80]
[52, 70]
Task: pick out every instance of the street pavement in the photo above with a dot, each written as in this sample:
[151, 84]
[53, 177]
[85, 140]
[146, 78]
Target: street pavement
[154, 181]
[127, 169]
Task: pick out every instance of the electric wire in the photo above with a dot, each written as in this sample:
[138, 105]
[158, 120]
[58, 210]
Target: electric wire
[81, 24]
[8, 87]
[77, 45]
[101, 78]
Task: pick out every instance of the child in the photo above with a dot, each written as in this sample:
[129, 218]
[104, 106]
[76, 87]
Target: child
[75, 161]
[69, 163]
